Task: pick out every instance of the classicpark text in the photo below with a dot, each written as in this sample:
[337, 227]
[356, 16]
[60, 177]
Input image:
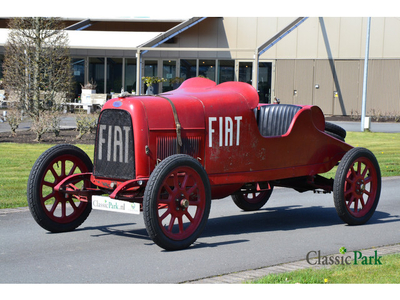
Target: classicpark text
[315, 258]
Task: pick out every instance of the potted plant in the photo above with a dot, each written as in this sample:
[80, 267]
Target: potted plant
[91, 85]
[176, 82]
[152, 84]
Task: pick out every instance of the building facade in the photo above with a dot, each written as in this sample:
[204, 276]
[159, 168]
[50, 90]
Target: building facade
[317, 61]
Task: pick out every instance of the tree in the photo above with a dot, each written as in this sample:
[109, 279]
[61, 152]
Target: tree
[37, 69]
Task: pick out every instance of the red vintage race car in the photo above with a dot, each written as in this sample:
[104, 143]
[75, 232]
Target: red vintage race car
[168, 155]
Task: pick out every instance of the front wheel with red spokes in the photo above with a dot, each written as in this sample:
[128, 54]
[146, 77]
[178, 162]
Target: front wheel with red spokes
[56, 211]
[357, 186]
[177, 202]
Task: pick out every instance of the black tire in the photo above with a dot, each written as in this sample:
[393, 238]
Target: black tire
[176, 202]
[335, 131]
[258, 200]
[57, 212]
[357, 186]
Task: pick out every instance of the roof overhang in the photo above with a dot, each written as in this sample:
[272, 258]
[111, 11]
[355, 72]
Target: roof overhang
[118, 40]
[123, 40]
[108, 39]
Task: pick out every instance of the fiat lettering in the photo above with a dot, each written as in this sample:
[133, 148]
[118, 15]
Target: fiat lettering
[116, 138]
[226, 130]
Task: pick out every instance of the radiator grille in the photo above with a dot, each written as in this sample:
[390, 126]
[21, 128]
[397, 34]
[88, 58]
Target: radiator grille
[167, 146]
[114, 151]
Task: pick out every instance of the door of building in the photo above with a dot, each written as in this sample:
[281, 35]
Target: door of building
[169, 73]
[265, 82]
[347, 87]
[244, 71]
[324, 85]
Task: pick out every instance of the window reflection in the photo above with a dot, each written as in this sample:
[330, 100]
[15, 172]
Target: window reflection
[207, 69]
[1, 65]
[96, 72]
[264, 81]
[169, 73]
[130, 75]
[78, 68]
[245, 71]
[226, 70]
[188, 68]
[114, 75]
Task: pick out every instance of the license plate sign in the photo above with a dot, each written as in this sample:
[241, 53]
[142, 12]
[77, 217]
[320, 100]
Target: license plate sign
[108, 204]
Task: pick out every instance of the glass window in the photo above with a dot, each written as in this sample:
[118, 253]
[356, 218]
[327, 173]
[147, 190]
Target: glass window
[130, 75]
[264, 81]
[207, 69]
[169, 73]
[150, 68]
[245, 71]
[188, 68]
[78, 67]
[226, 70]
[114, 75]
[96, 73]
[1, 65]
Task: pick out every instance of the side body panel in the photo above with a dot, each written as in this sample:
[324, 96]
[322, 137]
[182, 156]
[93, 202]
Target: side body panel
[218, 127]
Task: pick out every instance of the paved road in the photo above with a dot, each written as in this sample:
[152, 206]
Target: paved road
[375, 126]
[114, 248]
[67, 121]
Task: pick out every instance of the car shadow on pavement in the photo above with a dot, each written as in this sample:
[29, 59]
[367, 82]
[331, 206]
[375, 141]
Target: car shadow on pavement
[113, 229]
[283, 218]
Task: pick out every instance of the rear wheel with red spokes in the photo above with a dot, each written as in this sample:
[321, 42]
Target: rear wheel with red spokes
[177, 202]
[357, 186]
[254, 200]
[52, 210]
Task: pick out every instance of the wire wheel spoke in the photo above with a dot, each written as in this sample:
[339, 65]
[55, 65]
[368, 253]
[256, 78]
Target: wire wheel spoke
[49, 196]
[171, 223]
[53, 208]
[165, 214]
[188, 215]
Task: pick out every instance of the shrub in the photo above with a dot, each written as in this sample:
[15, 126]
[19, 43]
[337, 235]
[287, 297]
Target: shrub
[14, 119]
[85, 123]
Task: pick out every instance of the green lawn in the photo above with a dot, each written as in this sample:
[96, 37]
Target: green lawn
[16, 161]
[385, 146]
[388, 272]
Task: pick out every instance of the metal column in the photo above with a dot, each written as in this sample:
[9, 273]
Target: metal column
[364, 95]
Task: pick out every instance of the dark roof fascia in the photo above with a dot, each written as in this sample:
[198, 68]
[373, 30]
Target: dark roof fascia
[79, 26]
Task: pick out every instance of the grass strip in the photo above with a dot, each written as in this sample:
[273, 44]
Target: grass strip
[16, 161]
[388, 272]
